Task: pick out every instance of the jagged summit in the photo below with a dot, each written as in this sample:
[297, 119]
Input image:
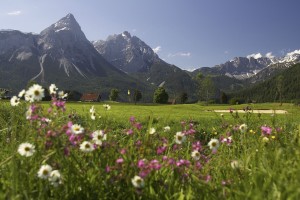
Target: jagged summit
[126, 34]
[65, 24]
[126, 52]
[65, 32]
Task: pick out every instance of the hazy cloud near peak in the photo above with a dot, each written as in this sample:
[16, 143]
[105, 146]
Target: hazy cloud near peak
[269, 55]
[14, 13]
[255, 55]
[157, 49]
[181, 54]
[190, 69]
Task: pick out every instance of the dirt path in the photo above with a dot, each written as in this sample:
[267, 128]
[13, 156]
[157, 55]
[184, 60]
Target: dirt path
[255, 111]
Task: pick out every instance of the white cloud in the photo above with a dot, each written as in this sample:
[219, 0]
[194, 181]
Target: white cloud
[269, 55]
[14, 13]
[226, 52]
[181, 54]
[255, 55]
[157, 49]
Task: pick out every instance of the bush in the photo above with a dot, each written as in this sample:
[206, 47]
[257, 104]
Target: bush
[114, 94]
[235, 101]
[160, 95]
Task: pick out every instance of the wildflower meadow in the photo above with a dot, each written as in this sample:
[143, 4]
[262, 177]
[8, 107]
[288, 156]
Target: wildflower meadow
[53, 151]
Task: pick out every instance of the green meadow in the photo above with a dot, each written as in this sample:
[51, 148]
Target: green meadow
[184, 151]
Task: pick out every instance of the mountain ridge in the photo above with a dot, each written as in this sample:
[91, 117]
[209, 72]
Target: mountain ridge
[60, 54]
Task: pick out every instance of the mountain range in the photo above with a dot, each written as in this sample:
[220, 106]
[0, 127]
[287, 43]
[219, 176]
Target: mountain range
[62, 54]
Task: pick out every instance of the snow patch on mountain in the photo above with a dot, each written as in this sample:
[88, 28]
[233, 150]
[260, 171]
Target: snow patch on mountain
[255, 56]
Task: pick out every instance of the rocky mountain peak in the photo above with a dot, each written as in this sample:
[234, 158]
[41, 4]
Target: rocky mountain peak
[126, 34]
[126, 52]
[65, 24]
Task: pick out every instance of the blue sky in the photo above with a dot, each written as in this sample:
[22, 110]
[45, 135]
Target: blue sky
[187, 33]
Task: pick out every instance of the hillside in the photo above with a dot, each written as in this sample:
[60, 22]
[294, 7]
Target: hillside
[268, 91]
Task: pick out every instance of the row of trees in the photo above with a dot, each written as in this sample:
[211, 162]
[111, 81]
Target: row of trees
[137, 95]
[160, 96]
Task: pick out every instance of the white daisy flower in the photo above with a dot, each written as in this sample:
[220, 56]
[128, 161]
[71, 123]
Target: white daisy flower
[28, 113]
[196, 155]
[106, 106]
[152, 131]
[243, 128]
[53, 89]
[55, 178]
[36, 91]
[45, 171]
[235, 164]
[167, 128]
[62, 95]
[265, 139]
[14, 101]
[21, 94]
[138, 182]
[29, 97]
[93, 113]
[93, 116]
[47, 120]
[26, 149]
[77, 129]
[92, 109]
[179, 137]
[98, 136]
[87, 147]
[213, 144]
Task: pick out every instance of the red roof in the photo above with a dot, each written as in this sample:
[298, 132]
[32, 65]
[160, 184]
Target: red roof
[90, 97]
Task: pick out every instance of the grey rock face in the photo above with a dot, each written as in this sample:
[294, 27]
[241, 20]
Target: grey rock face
[60, 54]
[126, 52]
[242, 67]
[65, 42]
[17, 45]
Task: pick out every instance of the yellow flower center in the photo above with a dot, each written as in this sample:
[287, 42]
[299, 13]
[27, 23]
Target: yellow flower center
[36, 93]
[45, 172]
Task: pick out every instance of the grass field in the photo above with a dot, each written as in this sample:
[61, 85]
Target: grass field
[148, 151]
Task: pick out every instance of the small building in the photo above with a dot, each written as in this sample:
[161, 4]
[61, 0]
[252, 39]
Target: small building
[90, 97]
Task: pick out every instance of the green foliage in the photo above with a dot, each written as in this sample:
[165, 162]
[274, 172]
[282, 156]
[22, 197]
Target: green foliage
[284, 87]
[183, 97]
[160, 96]
[262, 169]
[234, 101]
[206, 88]
[224, 98]
[114, 94]
[137, 96]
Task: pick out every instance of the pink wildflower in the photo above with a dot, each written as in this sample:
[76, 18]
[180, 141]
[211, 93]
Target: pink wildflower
[265, 130]
[119, 160]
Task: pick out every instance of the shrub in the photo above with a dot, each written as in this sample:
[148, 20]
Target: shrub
[160, 96]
